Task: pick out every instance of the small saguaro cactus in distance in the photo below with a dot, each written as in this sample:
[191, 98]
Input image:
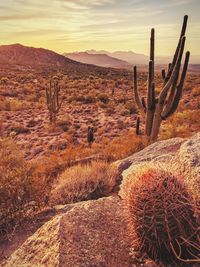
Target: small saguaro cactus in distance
[90, 135]
[37, 91]
[113, 91]
[158, 108]
[138, 126]
[52, 97]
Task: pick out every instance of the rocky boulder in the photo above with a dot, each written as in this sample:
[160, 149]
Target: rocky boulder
[91, 233]
[177, 154]
[94, 233]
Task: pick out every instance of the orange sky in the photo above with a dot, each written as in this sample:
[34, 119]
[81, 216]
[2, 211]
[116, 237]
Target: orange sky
[77, 25]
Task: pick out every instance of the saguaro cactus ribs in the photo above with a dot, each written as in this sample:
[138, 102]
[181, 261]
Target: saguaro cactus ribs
[165, 104]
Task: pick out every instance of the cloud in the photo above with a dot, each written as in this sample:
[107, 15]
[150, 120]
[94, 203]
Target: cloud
[96, 23]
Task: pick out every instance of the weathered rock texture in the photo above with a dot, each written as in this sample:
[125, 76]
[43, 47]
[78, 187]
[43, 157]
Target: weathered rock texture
[94, 233]
[90, 234]
[177, 154]
[187, 162]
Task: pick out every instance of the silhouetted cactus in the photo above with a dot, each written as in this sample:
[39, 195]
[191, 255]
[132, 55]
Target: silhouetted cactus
[90, 135]
[113, 91]
[138, 126]
[161, 107]
[162, 219]
[52, 97]
[37, 94]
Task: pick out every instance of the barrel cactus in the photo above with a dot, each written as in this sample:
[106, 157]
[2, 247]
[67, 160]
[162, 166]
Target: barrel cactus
[162, 220]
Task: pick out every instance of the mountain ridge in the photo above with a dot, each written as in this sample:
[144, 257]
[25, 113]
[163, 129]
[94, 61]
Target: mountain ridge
[27, 57]
[139, 58]
[102, 60]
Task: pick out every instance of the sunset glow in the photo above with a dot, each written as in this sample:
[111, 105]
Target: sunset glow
[78, 25]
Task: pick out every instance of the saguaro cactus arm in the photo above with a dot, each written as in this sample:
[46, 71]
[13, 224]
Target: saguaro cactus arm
[171, 65]
[175, 72]
[159, 108]
[170, 109]
[163, 74]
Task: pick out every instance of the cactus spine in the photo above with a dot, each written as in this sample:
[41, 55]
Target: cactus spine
[165, 104]
[52, 98]
[163, 220]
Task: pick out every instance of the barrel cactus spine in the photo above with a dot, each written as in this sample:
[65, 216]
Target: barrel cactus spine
[162, 217]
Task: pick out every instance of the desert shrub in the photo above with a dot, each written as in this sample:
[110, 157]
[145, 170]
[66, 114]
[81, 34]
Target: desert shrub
[19, 128]
[181, 125]
[89, 99]
[18, 184]
[196, 91]
[103, 98]
[110, 111]
[102, 105]
[4, 80]
[78, 98]
[161, 215]
[64, 124]
[5, 105]
[131, 108]
[121, 100]
[83, 182]
[124, 112]
[13, 105]
[9, 93]
[121, 147]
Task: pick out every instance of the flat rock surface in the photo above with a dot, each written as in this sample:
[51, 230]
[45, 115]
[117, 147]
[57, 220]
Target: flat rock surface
[91, 233]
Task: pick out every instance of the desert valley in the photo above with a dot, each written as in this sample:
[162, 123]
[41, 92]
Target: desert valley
[99, 160]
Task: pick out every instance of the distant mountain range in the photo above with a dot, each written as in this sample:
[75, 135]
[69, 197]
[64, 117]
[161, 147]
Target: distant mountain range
[102, 60]
[127, 58]
[24, 57]
[89, 61]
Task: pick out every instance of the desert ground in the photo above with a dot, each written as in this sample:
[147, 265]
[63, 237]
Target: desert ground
[46, 165]
[106, 103]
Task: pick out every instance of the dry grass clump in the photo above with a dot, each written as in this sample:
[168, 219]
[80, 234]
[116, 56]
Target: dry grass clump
[182, 124]
[19, 128]
[13, 105]
[54, 163]
[103, 98]
[196, 91]
[83, 182]
[121, 147]
[64, 124]
[162, 219]
[18, 184]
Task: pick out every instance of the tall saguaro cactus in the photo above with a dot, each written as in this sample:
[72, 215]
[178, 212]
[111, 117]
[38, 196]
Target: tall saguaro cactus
[52, 98]
[158, 108]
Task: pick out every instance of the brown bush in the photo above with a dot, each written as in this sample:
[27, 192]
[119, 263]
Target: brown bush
[181, 124]
[18, 184]
[19, 129]
[121, 147]
[13, 105]
[103, 98]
